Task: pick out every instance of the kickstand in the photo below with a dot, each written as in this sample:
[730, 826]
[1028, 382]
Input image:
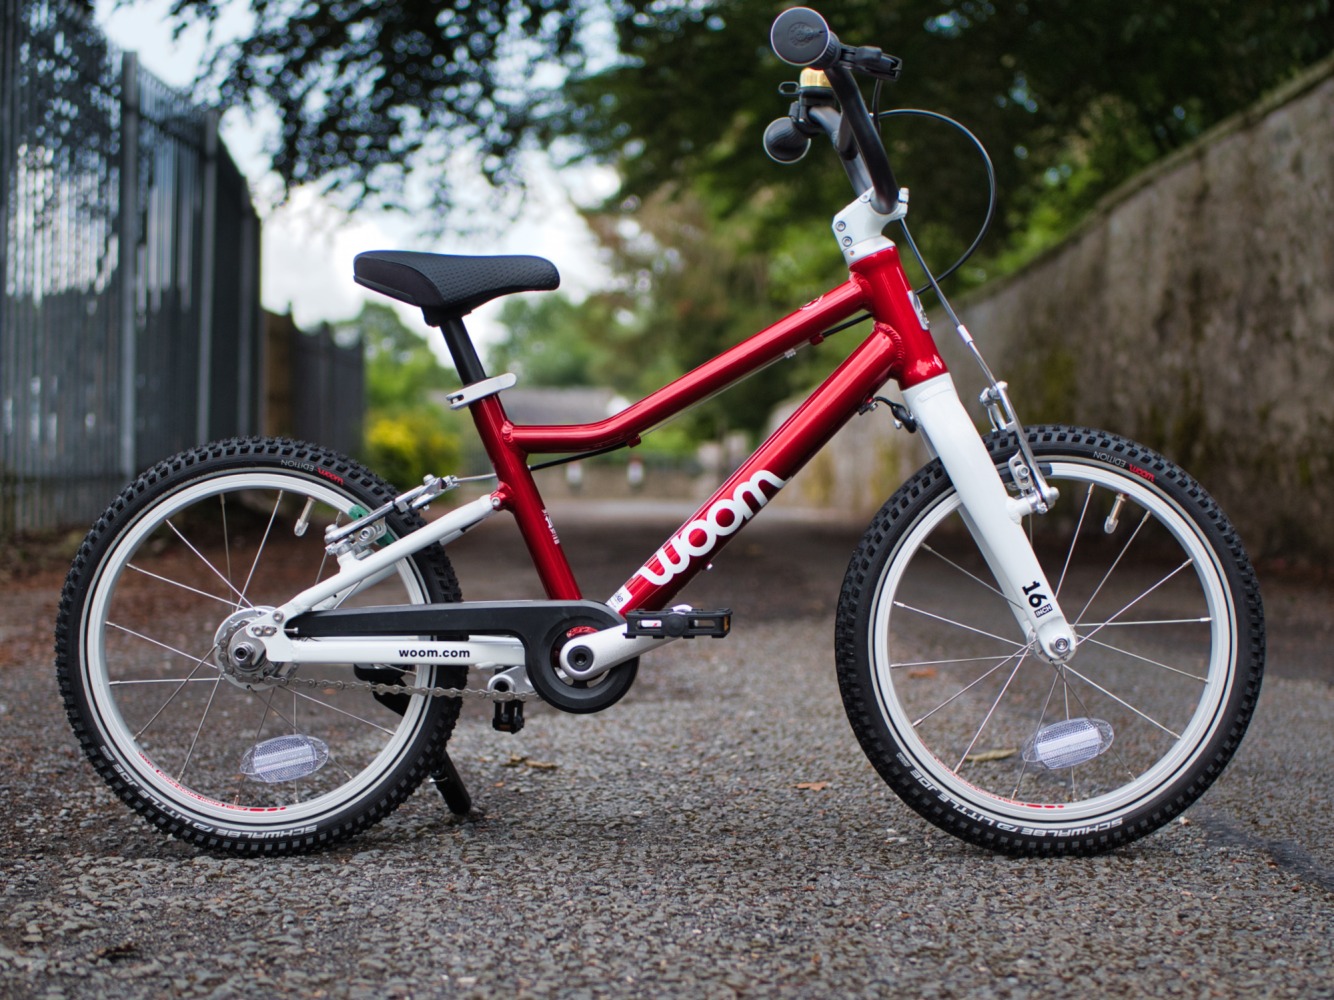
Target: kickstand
[451, 787]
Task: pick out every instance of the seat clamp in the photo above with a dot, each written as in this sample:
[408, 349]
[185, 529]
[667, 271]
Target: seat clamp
[470, 394]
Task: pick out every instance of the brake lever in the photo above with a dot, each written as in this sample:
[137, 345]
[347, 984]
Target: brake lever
[872, 61]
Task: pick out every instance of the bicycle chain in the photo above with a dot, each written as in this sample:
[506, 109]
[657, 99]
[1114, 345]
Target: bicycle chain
[377, 687]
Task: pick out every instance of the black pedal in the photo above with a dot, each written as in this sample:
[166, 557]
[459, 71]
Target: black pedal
[508, 717]
[682, 623]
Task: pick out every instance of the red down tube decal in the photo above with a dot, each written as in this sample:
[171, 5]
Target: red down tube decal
[752, 486]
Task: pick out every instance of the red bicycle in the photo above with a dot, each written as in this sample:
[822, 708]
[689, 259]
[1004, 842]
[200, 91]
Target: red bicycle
[1048, 641]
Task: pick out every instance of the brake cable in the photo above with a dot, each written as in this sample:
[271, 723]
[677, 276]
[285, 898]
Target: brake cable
[991, 185]
[933, 281]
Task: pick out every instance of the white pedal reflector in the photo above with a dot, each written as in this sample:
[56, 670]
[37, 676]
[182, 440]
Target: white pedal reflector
[284, 758]
[1067, 743]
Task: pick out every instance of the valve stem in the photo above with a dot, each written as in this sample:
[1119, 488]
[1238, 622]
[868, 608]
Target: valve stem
[303, 522]
[1109, 525]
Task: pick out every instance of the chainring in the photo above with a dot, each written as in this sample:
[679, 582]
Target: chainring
[564, 692]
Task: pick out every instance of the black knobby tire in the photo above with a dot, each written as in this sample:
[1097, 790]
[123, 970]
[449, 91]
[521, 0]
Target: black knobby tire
[978, 733]
[175, 561]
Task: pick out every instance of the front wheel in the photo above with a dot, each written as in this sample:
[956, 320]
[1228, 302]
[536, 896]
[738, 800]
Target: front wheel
[243, 758]
[976, 731]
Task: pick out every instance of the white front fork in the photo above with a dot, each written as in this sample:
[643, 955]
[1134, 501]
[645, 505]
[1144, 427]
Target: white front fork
[991, 514]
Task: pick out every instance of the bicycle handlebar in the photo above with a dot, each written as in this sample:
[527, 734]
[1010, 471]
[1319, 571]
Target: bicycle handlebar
[801, 37]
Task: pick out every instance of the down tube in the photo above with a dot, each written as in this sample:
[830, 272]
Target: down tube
[760, 478]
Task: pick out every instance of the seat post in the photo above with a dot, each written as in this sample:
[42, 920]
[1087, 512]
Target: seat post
[461, 349]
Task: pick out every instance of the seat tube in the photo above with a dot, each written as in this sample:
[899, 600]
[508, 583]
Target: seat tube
[518, 494]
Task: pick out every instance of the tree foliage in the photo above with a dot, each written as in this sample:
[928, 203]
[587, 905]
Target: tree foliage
[1070, 96]
[554, 341]
[709, 238]
[364, 91]
[1055, 88]
[406, 435]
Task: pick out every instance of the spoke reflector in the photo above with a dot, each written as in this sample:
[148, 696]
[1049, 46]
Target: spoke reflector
[284, 758]
[1067, 743]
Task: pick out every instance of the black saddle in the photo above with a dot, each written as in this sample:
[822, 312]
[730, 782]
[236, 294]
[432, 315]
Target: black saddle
[446, 286]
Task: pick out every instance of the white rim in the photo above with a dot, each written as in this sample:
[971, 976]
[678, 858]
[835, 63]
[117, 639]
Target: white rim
[1203, 723]
[103, 701]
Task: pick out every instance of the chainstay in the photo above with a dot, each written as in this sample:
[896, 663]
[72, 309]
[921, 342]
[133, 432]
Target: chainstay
[378, 687]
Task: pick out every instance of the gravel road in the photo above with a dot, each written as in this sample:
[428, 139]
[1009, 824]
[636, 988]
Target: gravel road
[670, 850]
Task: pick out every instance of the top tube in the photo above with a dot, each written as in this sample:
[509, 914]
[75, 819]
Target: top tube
[807, 325]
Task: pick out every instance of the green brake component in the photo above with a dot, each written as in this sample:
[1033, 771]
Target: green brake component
[356, 512]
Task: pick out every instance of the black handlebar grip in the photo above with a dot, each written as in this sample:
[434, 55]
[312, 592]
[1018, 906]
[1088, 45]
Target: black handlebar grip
[801, 37]
[784, 142]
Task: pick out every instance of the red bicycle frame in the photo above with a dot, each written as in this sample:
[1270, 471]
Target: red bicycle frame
[899, 348]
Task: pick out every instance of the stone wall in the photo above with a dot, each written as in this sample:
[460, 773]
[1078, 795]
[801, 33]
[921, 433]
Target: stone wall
[1193, 312]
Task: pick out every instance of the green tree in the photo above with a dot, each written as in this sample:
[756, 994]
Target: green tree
[401, 369]
[687, 286]
[406, 435]
[1071, 96]
[552, 340]
[705, 284]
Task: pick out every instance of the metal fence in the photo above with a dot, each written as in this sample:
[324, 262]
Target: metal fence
[316, 389]
[130, 324]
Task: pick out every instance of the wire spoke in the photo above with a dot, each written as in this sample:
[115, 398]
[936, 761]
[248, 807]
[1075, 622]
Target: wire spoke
[187, 679]
[203, 717]
[1071, 692]
[268, 528]
[226, 537]
[1120, 701]
[1070, 553]
[197, 660]
[966, 688]
[1204, 620]
[268, 707]
[240, 598]
[1148, 660]
[927, 547]
[161, 680]
[183, 586]
[1111, 569]
[1023, 770]
[179, 682]
[958, 624]
[334, 708]
[990, 712]
[1143, 594]
[942, 663]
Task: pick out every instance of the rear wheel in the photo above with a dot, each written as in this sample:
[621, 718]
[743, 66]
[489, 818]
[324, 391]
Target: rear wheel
[218, 755]
[980, 734]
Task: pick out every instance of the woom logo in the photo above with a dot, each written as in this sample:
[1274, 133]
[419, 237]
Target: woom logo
[700, 537]
[434, 653]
